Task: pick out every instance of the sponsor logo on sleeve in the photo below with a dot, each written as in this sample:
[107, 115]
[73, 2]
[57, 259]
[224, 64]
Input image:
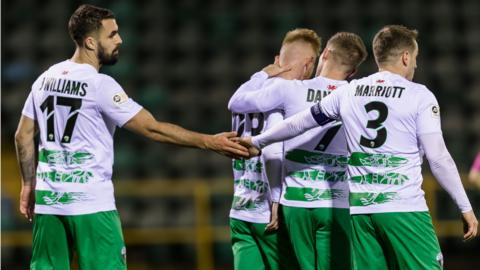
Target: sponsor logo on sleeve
[435, 111]
[120, 98]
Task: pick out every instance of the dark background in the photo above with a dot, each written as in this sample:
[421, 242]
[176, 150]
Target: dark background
[182, 60]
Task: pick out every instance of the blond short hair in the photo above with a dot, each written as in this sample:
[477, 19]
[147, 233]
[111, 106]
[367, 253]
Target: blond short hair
[305, 35]
[348, 49]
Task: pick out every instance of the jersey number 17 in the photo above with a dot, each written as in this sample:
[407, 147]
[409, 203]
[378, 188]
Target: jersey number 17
[49, 105]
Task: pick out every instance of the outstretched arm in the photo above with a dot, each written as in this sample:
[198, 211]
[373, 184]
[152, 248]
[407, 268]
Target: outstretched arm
[317, 115]
[287, 129]
[144, 123]
[445, 171]
[25, 148]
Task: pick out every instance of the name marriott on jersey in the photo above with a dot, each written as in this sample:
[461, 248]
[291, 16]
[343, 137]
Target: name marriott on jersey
[379, 91]
[64, 86]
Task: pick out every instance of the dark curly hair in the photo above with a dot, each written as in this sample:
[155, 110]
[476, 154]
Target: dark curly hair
[85, 20]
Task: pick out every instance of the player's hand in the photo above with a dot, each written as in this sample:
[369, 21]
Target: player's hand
[470, 225]
[222, 144]
[247, 142]
[27, 201]
[273, 225]
[474, 177]
[275, 69]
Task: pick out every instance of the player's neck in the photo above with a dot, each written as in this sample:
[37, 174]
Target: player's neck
[393, 69]
[86, 57]
[331, 72]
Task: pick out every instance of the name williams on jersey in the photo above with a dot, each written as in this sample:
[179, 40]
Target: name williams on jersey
[64, 86]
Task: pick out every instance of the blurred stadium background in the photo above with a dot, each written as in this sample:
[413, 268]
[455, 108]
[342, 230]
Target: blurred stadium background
[182, 59]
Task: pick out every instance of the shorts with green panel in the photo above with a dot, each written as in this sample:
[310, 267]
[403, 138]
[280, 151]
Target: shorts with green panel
[395, 241]
[255, 249]
[320, 237]
[96, 239]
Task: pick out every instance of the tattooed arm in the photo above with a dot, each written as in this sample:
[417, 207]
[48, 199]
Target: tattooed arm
[25, 147]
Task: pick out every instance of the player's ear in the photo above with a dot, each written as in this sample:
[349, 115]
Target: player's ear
[308, 68]
[325, 54]
[311, 63]
[90, 43]
[319, 65]
[277, 60]
[405, 58]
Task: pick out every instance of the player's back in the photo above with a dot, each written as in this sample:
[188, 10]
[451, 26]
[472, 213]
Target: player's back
[76, 109]
[382, 115]
[252, 192]
[315, 162]
[302, 95]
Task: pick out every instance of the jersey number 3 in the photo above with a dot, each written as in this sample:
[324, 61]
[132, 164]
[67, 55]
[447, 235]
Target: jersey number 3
[376, 124]
[49, 105]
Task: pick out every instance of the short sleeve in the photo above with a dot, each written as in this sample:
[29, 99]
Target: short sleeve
[114, 103]
[330, 105]
[29, 108]
[428, 117]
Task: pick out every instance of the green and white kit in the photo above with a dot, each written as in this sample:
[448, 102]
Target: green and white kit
[255, 186]
[96, 238]
[77, 110]
[384, 114]
[315, 163]
[401, 240]
[315, 188]
[388, 122]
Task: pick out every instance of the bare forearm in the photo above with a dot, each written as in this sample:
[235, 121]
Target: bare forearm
[144, 123]
[170, 133]
[26, 160]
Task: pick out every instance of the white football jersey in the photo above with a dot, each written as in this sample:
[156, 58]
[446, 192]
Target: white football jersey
[314, 162]
[77, 110]
[383, 115]
[252, 192]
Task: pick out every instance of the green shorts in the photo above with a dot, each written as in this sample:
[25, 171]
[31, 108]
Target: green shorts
[255, 249]
[395, 241]
[320, 237]
[96, 239]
